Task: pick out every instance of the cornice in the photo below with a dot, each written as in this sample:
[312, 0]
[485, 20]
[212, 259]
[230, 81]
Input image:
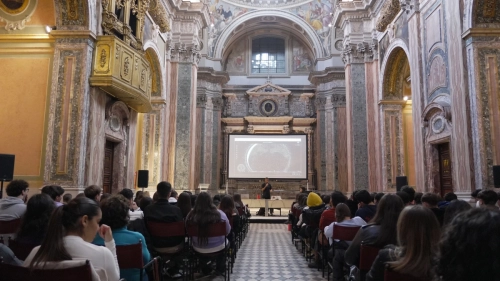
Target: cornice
[213, 76]
[327, 75]
[356, 9]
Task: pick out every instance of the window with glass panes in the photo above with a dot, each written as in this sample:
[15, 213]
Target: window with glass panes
[268, 55]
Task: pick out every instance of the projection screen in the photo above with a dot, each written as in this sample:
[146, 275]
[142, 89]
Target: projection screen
[272, 156]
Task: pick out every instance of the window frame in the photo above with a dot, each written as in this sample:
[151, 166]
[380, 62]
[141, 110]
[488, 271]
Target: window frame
[286, 68]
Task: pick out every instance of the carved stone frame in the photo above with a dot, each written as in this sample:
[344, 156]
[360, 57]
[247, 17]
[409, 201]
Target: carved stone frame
[117, 131]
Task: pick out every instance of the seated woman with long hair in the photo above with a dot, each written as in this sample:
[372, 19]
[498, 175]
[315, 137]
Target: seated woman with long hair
[71, 229]
[418, 238]
[115, 214]
[36, 219]
[203, 215]
[184, 203]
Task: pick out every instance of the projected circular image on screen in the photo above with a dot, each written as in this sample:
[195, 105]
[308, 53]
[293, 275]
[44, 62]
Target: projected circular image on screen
[268, 157]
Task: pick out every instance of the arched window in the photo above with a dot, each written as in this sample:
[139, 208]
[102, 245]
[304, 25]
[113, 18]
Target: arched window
[268, 55]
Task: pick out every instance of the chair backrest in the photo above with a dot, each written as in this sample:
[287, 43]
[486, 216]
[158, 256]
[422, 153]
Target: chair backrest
[390, 275]
[166, 229]
[21, 250]
[214, 230]
[7, 227]
[367, 256]
[130, 256]
[344, 233]
[82, 272]
[241, 211]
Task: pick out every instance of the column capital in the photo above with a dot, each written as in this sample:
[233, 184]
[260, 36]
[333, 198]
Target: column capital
[410, 6]
[182, 52]
[360, 52]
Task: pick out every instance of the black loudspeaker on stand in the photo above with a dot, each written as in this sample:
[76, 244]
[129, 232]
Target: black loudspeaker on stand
[496, 176]
[400, 182]
[142, 178]
[6, 169]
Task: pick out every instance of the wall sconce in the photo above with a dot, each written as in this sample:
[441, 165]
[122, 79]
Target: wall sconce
[405, 98]
[48, 29]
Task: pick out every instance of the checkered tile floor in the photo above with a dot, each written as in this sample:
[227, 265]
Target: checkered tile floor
[267, 254]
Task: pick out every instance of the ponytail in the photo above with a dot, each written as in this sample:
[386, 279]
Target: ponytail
[65, 218]
[52, 248]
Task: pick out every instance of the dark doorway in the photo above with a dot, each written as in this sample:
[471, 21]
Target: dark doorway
[107, 179]
[445, 168]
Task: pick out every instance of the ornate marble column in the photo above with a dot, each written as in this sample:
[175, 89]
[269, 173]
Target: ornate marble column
[209, 106]
[330, 96]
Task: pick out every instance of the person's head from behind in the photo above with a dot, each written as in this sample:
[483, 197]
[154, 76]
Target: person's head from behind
[163, 190]
[193, 199]
[363, 197]
[337, 197]
[469, 248]
[115, 211]
[410, 191]
[475, 193]
[303, 200]
[418, 198]
[453, 209]
[174, 194]
[34, 222]
[53, 192]
[18, 188]
[302, 189]
[128, 194]
[388, 210]
[145, 201]
[418, 238]
[487, 198]
[378, 197]
[404, 196]
[67, 197]
[93, 192]
[326, 199]
[226, 204]
[450, 196]
[430, 200]
[216, 200]
[203, 214]
[184, 203]
[237, 199]
[138, 196]
[342, 212]
[80, 217]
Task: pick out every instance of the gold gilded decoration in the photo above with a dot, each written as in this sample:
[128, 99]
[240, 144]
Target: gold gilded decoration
[72, 8]
[121, 79]
[389, 11]
[159, 15]
[16, 13]
[14, 7]
[103, 58]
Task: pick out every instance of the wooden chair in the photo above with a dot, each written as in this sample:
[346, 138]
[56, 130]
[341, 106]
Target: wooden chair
[130, 257]
[214, 230]
[19, 273]
[390, 275]
[8, 227]
[366, 258]
[21, 250]
[169, 230]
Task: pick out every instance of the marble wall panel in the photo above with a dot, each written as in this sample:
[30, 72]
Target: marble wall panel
[72, 14]
[341, 159]
[96, 137]
[373, 125]
[182, 126]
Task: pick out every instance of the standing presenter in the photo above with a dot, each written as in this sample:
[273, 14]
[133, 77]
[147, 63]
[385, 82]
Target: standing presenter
[266, 189]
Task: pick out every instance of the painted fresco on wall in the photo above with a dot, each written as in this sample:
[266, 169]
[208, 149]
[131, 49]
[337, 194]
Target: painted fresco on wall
[316, 13]
[301, 57]
[236, 62]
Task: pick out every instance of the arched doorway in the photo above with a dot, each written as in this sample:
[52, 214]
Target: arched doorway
[398, 156]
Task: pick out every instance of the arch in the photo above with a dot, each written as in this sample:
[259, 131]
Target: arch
[397, 48]
[303, 31]
[477, 14]
[152, 55]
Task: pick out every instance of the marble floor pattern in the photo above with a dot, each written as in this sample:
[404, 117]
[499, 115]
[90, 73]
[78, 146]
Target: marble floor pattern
[267, 254]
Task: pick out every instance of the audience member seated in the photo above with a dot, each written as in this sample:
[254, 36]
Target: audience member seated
[328, 215]
[66, 198]
[448, 197]
[36, 219]
[239, 204]
[216, 200]
[227, 206]
[431, 200]
[418, 198]
[418, 237]
[184, 203]
[8, 257]
[145, 202]
[173, 197]
[311, 215]
[469, 248]
[474, 197]
[203, 214]
[138, 196]
[352, 203]
[366, 209]
[488, 199]
[411, 192]
[326, 200]
[134, 211]
[454, 208]
[380, 231]
[162, 211]
[93, 192]
[378, 197]
[12, 207]
[115, 215]
[343, 217]
[55, 192]
[71, 230]
[405, 197]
